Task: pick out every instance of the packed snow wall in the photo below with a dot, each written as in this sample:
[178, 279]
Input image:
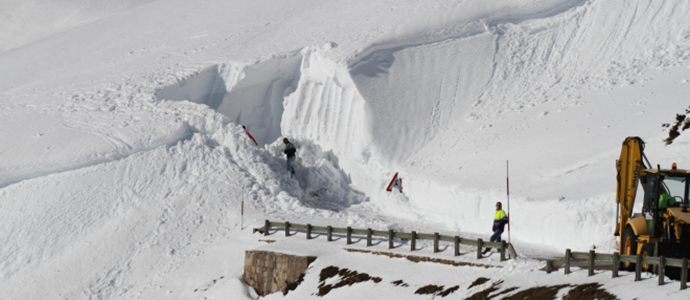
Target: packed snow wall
[248, 94]
[415, 92]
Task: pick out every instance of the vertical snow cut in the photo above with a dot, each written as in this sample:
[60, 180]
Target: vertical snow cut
[251, 95]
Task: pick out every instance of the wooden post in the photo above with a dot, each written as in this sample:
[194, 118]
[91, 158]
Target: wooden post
[329, 233]
[549, 266]
[638, 268]
[309, 231]
[287, 228]
[616, 264]
[349, 235]
[662, 269]
[435, 242]
[267, 227]
[566, 268]
[413, 241]
[457, 245]
[591, 263]
[479, 248]
[503, 251]
[391, 234]
[684, 274]
[369, 232]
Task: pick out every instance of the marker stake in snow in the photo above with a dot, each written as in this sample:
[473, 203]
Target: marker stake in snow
[396, 183]
[508, 195]
[242, 212]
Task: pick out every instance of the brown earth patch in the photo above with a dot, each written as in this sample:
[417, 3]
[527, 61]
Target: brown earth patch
[429, 289]
[538, 293]
[347, 278]
[400, 283]
[479, 281]
[578, 292]
[589, 291]
[506, 291]
[328, 272]
[449, 291]
[436, 290]
[483, 295]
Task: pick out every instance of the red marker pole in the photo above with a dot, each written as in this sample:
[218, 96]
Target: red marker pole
[508, 195]
[242, 212]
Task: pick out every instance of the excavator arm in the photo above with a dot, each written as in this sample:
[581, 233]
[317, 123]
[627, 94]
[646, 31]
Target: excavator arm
[630, 168]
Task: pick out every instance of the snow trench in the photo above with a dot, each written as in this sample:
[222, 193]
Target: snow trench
[251, 95]
[301, 94]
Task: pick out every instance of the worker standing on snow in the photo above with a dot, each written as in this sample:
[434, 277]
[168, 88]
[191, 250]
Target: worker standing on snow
[250, 135]
[290, 151]
[500, 221]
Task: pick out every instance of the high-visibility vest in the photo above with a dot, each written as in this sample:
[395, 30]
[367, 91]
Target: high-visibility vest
[665, 200]
[499, 214]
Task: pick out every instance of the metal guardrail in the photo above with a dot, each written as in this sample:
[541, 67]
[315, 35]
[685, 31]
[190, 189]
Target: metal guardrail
[390, 235]
[616, 259]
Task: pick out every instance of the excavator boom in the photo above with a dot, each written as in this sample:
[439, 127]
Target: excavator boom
[630, 167]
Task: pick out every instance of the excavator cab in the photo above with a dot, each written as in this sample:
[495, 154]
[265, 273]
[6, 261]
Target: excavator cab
[673, 187]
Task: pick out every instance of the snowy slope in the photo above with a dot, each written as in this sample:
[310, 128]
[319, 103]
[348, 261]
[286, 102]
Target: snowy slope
[123, 164]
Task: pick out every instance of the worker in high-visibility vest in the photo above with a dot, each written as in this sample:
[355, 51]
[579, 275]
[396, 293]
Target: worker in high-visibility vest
[665, 200]
[500, 221]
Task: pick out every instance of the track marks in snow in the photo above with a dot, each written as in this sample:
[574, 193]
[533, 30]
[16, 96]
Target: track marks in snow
[122, 151]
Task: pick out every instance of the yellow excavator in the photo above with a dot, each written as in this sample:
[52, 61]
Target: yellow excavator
[662, 227]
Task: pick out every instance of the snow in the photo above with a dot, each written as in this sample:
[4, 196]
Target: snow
[124, 164]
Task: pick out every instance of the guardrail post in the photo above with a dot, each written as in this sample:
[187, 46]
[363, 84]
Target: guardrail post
[413, 241]
[566, 268]
[591, 263]
[638, 268]
[329, 233]
[349, 235]
[287, 228]
[457, 245]
[662, 269]
[369, 232]
[503, 251]
[435, 242]
[616, 264]
[684, 274]
[391, 234]
[479, 248]
[309, 231]
[267, 227]
[549, 266]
